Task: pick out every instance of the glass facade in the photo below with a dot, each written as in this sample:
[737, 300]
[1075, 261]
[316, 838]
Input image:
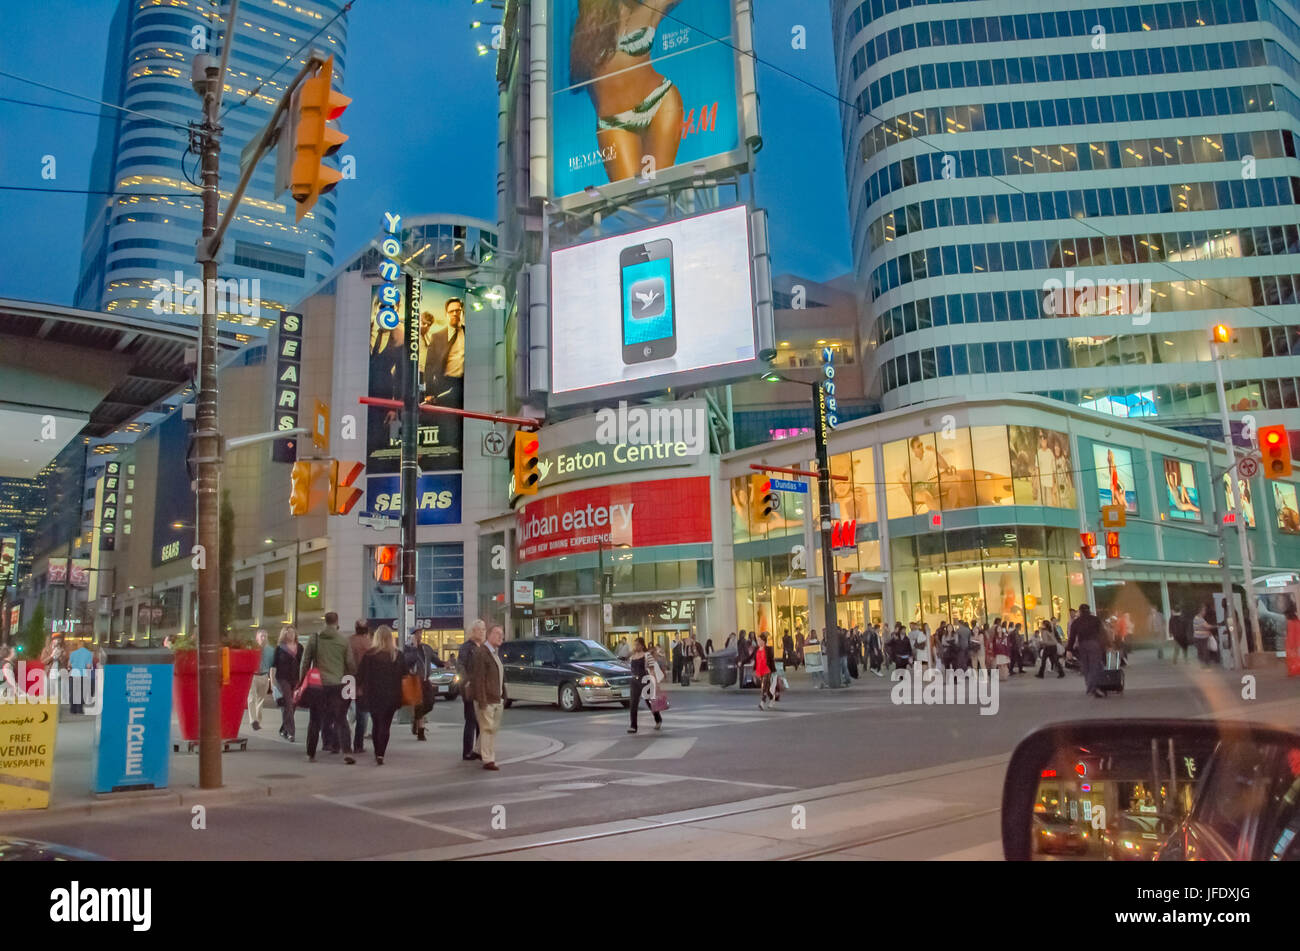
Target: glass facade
[1132, 218]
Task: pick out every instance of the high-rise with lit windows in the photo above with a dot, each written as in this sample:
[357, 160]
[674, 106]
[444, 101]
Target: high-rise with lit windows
[143, 231]
[1062, 198]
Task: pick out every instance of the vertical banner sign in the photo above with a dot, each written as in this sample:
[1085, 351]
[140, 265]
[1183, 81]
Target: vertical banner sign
[830, 414]
[111, 487]
[288, 370]
[27, 753]
[8, 561]
[133, 730]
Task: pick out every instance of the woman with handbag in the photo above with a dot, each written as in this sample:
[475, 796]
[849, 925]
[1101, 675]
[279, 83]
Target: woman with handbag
[379, 678]
[285, 667]
[646, 673]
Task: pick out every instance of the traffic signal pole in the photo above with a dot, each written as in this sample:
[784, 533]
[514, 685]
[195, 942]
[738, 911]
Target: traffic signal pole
[1253, 639]
[410, 451]
[208, 80]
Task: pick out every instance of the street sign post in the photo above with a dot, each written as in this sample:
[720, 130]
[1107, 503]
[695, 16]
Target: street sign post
[1248, 467]
[789, 485]
[494, 443]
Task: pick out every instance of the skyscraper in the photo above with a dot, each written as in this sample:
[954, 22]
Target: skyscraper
[1063, 201]
[141, 236]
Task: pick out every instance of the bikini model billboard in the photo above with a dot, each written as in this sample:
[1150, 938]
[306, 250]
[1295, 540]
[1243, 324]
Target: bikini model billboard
[638, 87]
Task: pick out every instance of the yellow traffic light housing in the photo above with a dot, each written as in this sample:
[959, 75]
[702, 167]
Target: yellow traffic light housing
[1221, 333]
[527, 474]
[315, 104]
[343, 493]
[300, 488]
[1275, 450]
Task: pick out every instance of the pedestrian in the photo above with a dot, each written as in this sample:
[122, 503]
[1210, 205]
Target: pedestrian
[1180, 631]
[678, 659]
[1048, 652]
[285, 664]
[379, 680]
[762, 672]
[79, 663]
[731, 641]
[798, 649]
[1203, 631]
[1292, 640]
[977, 656]
[464, 659]
[623, 650]
[963, 644]
[8, 681]
[328, 653]
[416, 656]
[646, 677]
[487, 678]
[742, 657]
[853, 645]
[708, 647]
[261, 680]
[1085, 643]
[1016, 642]
[359, 644]
[920, 645]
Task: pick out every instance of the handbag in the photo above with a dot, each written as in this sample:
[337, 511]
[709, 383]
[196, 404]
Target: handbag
[659, 702]
[412, 693]
[312, 679]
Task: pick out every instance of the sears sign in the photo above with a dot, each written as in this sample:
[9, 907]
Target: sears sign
[437, 497]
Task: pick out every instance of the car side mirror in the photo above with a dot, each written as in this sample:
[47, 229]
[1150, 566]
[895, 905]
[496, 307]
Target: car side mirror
[1145, 784]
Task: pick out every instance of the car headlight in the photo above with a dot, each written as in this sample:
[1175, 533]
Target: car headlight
[1129, 845]
[456, 679]
[592, 681]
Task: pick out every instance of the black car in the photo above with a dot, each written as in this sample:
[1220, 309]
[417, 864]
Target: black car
[31, 850]
[569, 671]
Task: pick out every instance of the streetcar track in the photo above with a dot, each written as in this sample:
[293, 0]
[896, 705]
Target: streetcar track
[832, 849]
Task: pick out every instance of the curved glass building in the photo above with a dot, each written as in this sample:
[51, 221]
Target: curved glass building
[1062, 201]
[142, 234]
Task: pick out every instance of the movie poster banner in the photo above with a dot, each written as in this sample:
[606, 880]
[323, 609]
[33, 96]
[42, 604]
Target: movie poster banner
[8, 561]
[1288, 512]
[1243, 492]
[442, 381]
[639, 89]
[1180, 490]
[1041, 473]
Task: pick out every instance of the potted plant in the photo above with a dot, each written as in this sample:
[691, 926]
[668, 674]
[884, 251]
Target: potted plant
[240, 655]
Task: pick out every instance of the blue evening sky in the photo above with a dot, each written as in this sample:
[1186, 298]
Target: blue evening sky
[422, 126]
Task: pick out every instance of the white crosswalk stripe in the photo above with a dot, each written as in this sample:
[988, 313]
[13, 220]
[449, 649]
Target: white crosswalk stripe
[666, 748]
[585, 750]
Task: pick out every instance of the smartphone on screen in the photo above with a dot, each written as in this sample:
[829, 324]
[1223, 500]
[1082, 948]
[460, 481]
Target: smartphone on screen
[649, 320]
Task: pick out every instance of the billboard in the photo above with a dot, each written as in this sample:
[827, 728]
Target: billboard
[1041, 467]
[8, 561]
[1115, 482]
[1288, 512]
[631, 514]
[1180, 490]
[641, 93]
[1246, 496]
[175, 504]
[668, 306]
[437, 497]
[442, 379]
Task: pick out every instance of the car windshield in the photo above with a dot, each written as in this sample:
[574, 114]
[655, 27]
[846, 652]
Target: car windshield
[1147, 824]
[1055, 820]
[569, 651]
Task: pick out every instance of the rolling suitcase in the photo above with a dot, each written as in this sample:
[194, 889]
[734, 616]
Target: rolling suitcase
[1110, 679]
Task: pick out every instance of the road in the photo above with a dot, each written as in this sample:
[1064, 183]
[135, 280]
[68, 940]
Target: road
[825, 775]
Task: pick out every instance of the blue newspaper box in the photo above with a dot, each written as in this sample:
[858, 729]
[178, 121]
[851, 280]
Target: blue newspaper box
[133, 730]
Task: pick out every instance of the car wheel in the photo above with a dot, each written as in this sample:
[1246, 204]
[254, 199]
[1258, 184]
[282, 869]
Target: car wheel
[570, 702]
[509, 704]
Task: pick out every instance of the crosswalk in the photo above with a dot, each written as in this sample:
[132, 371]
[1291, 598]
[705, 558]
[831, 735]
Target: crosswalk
[704, 718]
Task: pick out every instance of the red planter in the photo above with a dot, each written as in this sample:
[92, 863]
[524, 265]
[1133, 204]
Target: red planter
[234, 695]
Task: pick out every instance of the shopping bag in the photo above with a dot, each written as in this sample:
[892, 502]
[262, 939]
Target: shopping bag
[659, 703]
[412, 692]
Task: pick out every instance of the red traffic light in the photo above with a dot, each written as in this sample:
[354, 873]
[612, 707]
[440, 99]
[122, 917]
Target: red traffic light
[1222, 333]
[1272, 438]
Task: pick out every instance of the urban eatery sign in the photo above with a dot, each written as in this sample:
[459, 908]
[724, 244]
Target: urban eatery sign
[288, 373]
[636, 514]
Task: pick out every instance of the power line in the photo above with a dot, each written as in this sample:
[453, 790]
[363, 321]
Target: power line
[306, 47]
[863, 113]
[101, 102]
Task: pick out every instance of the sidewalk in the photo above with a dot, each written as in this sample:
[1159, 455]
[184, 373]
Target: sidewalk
[269, 766]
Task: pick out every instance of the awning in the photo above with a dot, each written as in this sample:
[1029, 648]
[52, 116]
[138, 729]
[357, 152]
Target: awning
[860, 583]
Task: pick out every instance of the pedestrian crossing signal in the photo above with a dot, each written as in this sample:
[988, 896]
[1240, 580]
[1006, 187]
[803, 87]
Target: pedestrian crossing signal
[388, 559]
[1088, 545]
[844, 582]
[1112, 544]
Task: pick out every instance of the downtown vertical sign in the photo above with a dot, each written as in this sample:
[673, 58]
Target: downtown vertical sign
[288, 381]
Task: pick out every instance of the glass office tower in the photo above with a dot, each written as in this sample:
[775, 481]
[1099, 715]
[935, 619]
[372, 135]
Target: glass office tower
[1062, 201]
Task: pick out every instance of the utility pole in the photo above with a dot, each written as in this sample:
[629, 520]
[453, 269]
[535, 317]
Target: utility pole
[1252, 642]
[1223, 544]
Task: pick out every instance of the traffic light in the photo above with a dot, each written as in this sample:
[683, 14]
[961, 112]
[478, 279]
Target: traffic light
[843, 582]
[1221, 333]
[388, 561]
[343, 494]
[300, 488]
[527, 475]
[1088, 545]
[314, 104]
[1275, 448]
[769, 499]
[1112, 544]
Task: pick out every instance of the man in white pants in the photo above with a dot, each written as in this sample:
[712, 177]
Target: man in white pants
[487, 684]
[261, 681]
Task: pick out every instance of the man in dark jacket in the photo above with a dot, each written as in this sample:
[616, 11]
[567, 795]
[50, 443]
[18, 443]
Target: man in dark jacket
[417, 656]
[328, 653]
[1085, 642]
[469, 737]
[358, 644]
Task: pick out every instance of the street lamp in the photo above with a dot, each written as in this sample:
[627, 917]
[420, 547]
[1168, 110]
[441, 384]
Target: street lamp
[821, 424]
